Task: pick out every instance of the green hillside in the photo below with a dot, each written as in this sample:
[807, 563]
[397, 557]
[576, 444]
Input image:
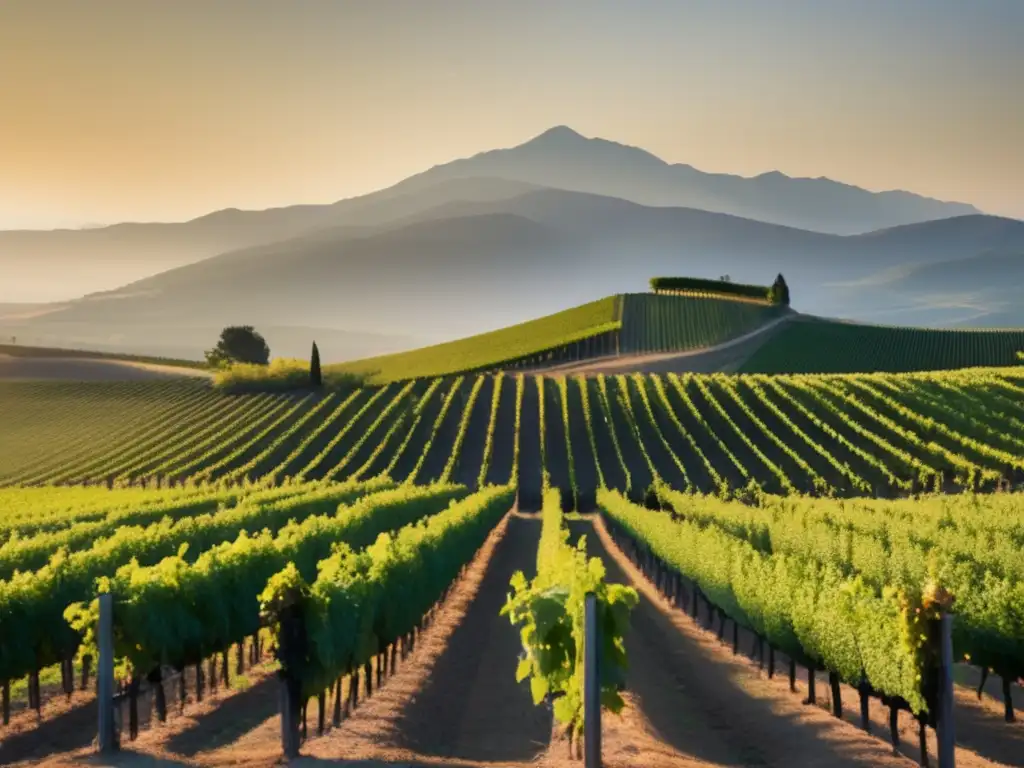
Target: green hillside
[814, 345]
[591, 326]
[622, 324]
[658, 323]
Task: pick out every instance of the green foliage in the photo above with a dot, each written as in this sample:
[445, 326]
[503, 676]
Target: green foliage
[35, 601]
[549, 612]
[492, 349]
[676, 323]
[485, 465]
[812, 345]
[841, 435]
[456, 451]
[721, 287]
[176, 613]
[282, 375]
[808, 608]
[645, 322]
[886, 555]
[446, 404]
[239, 344]
[363, 600]
[838, 434]
[520, 387]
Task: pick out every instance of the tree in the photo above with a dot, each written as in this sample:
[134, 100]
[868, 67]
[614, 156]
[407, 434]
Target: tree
[725, 279]
[780, 291]
[239, 344]
[316, 378]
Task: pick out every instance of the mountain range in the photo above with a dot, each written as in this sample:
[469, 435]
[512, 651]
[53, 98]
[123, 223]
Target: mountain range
[492, 239]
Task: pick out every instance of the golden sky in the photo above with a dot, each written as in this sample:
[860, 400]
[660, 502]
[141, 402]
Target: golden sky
[138, 110]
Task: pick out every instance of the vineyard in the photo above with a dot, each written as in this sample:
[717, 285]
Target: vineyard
[840, 586]
[844, 435]
[813, 345]
[812, 512]
[595, 321]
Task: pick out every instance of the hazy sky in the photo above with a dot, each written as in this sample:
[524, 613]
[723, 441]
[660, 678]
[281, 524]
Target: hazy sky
[145, 110]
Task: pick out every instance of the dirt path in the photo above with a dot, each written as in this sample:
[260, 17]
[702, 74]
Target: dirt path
[983, 739]
[89, 369]
[455, 701]
[706, 704]
[726, 357]
[471, 707]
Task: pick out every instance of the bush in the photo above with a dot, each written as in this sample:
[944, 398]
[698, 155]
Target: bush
[281, 375]
[700, 285]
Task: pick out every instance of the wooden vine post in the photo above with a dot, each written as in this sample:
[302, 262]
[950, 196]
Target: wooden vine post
[106, 737]
[291, 649]
[944, 725]
[591, 685]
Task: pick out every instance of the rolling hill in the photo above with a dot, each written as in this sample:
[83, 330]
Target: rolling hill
[651, 332]
[460, 267]
[978, 291]
[42, 265]
[634, 324]
[817, 345]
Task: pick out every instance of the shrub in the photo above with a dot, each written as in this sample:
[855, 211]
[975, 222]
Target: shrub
[281, 375]
[700, 285]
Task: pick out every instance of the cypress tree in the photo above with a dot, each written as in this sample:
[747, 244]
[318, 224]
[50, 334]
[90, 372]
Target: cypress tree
[316, 378]
[780, 291]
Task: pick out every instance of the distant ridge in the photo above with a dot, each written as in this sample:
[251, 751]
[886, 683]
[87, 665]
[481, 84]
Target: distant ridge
[436, 266]
[561, 157]
[482, 243]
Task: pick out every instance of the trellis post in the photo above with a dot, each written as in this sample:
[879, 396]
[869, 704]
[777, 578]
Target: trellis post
[944, 722]
[105, 675]
[591, 685]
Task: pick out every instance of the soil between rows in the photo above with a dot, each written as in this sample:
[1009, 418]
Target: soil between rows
[708, 705]
[456, 701]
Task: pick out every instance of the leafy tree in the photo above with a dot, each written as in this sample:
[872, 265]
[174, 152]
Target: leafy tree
[239, 344]
[316, 378]
[780, 291]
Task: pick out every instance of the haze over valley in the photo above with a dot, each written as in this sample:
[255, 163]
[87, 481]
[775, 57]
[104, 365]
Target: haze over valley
[584, 190]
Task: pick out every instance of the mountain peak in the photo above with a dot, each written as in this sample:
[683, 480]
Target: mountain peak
[560, 133]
